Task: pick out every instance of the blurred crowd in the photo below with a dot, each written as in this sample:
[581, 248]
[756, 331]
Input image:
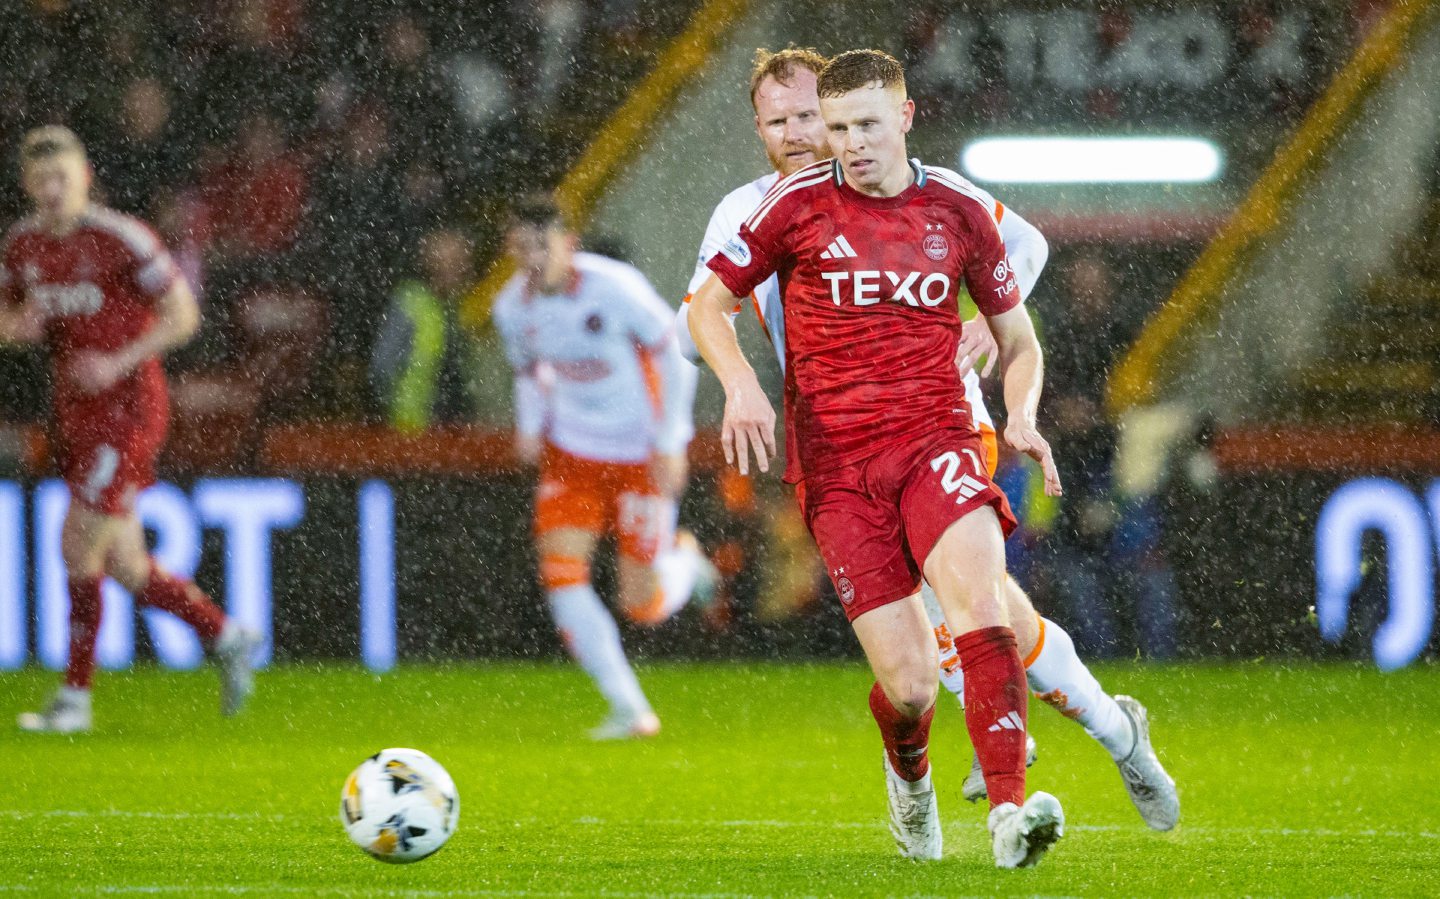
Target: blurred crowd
[305, 158]
[331, 176]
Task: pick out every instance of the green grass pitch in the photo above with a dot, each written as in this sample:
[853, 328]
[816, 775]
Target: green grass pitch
[1295, 780]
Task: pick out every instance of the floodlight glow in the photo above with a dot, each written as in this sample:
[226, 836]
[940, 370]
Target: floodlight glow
[1092, 160]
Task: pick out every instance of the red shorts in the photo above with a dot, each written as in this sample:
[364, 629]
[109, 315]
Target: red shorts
[877, 521]
[105, 472]
[603, 496]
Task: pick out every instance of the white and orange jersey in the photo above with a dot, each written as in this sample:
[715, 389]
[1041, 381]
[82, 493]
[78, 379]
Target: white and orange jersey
[1024, 245]
[724, 224]
[598, 372]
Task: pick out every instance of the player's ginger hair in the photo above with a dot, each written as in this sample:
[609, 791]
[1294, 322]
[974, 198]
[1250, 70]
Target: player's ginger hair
[856, 69]
[47, 141]
[781, 65]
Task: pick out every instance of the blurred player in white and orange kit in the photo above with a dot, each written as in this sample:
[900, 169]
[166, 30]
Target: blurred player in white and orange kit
[102, 293]
[789, 124]
[603, 404]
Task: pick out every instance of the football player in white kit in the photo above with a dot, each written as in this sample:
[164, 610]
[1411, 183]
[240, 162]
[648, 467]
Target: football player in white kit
[788, 122]
[603, 405]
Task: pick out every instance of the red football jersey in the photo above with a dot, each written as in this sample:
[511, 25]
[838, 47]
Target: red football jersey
[95, 287]
[869, 287]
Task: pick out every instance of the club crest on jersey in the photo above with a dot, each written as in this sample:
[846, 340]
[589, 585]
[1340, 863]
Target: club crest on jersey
[936, 247]
[737, 251]
[844, 586]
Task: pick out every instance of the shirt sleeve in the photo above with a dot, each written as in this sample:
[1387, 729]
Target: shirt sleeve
[1026, 247]
[154, 269]
[720, 229]
[988, 272]
[651, 324]
[758, 248]
[531, 399]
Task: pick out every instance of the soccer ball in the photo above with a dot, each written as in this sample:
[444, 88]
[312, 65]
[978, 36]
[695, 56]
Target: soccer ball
[399, 805]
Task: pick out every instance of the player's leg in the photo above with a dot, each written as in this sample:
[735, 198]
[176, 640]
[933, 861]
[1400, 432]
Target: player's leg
[573, 507]
[662, 567]
[857, 531]
[900, 647]
[1061, 679]
[590, 634]
[231, 644]
[966, 568]
[85, 540]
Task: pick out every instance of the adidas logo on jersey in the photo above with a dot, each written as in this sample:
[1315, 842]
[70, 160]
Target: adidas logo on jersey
[1009, 721]
[839, 249]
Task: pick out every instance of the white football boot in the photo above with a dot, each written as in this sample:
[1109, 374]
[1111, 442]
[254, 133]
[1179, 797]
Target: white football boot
[914, 816]
[974, 787]
[234, 650]
[1150, 787]
[1021, 834]
[67, 713]
[626, 726]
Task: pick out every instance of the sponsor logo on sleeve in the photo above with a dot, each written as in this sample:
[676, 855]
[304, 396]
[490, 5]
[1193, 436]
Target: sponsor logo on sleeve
[1002, 270]
[737, 251]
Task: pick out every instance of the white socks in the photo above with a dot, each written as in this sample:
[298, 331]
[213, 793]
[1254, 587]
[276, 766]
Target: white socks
[76, 697]
[676, 571]
[950, 675]
[592, 638]
[1057, 677]
[1060, 679]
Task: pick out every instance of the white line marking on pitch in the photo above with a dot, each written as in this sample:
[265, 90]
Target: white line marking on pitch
[736, 823]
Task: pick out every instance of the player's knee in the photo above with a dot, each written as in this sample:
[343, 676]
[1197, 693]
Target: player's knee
[558, 571]
[912, 688]
[912, 696]
[131, 571]
[640, 595]
[82, 560]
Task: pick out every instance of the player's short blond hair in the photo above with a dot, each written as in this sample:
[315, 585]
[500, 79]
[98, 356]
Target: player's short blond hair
[781, 65]
[49, 141]
[856, 69]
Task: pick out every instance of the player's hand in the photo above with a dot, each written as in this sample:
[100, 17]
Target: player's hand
[749, 424]
[1025, 438]
[976, 341]
[669, 471]
[96, 372]
[527, 449]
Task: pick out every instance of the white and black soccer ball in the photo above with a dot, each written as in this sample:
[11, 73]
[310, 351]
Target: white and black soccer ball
[400, 805]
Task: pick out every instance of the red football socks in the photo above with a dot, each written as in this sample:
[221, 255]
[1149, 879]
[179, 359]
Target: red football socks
[907, 740]
[185, 601]
[995, 709]
[84, 628]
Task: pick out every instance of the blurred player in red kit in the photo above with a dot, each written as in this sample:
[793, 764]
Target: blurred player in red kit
[103, 294]
[870, 249]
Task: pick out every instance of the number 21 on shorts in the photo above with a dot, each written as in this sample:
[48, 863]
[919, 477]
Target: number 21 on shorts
[953, 480]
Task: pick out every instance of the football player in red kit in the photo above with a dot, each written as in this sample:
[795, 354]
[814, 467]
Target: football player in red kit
[103, 294]
[870, 248]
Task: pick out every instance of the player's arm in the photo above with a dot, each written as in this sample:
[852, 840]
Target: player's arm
[1022, 368]
[719, 229]
[652, 327]
[177, 318]
[1028, 252]
[749, 421]
[20, 322]
[531, 400]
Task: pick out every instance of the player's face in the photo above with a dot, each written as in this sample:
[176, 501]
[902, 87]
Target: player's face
[542, 254]
[787, 118]
[58, 186]
[867, 129]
